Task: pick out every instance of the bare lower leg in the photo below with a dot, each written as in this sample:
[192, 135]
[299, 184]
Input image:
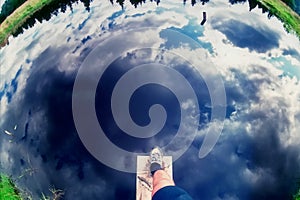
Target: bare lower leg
[161, 179]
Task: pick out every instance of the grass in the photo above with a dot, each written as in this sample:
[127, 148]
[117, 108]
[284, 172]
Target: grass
[297, 195]
[283, 12]
[57, 194]
[8, 190]
[18, 17]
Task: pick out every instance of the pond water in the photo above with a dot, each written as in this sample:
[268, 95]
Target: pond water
[230, 88]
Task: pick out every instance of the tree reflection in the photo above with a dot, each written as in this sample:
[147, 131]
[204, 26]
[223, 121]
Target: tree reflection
[57, 6]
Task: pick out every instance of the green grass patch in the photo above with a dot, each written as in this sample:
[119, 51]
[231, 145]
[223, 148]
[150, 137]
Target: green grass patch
[18, 17]
[297, 195]
[284, 13]
[8, 190]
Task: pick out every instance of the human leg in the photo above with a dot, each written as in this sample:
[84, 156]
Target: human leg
[161, 179]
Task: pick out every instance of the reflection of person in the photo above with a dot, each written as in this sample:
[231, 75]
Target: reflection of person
[163, 186]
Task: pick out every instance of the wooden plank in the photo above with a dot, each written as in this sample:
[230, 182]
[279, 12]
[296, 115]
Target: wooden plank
[143, 176]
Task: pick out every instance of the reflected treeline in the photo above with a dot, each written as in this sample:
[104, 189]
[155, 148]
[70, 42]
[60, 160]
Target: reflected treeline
[57, 6]
[48, 11]
[135, 3]
[8, 7]
[294, 4]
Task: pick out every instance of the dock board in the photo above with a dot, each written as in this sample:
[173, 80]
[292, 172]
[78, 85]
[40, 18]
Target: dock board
[143, 176]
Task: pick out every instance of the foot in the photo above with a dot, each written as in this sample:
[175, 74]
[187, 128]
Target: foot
[156, 160]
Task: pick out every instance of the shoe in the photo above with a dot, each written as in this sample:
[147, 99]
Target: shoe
[156, 160]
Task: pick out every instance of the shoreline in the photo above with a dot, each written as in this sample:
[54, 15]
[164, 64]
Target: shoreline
[19, 17]
[289, 18]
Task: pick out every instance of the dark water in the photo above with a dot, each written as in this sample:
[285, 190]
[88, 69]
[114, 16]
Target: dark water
[141, 101]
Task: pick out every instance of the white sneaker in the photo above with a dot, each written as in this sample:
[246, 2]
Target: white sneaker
[156, 160]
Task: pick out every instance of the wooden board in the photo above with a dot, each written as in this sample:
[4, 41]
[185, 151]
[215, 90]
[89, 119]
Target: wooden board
[143, 176]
